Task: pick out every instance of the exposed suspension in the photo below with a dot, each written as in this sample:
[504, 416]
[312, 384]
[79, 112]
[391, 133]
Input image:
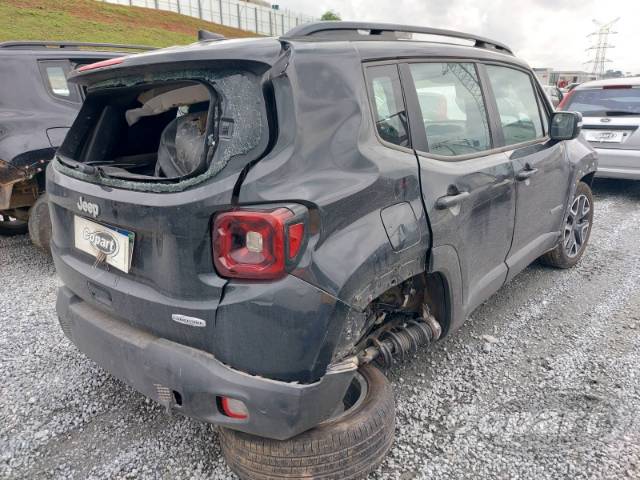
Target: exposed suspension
[402, 340]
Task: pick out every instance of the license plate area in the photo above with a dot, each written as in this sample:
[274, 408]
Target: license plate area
[107, 244]
[604, 136]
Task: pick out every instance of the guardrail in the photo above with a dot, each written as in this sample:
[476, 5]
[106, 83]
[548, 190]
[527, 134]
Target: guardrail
[232, 13]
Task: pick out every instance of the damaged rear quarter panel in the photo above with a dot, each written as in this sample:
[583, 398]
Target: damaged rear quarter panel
[329, 158]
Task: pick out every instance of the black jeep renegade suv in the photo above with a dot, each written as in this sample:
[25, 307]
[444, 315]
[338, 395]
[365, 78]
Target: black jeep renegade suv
[243, 226]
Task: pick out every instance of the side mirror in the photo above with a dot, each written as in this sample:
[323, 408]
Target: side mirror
[565, 125]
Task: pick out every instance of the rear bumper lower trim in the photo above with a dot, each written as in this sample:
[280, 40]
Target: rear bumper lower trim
[154, 366]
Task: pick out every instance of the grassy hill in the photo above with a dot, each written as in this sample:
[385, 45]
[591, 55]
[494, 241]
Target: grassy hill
[93, 21]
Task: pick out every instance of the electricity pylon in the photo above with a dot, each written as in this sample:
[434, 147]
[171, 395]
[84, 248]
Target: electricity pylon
[601, 46]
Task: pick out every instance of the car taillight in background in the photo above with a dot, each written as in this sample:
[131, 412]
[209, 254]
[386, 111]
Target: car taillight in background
[565, 100]
[255, 244]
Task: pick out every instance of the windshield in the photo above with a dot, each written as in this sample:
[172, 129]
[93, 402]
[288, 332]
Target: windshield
[603, 102]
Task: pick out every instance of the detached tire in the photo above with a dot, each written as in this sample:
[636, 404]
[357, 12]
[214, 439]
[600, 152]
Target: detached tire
[576, 230]
[348, 446]
[40, 223]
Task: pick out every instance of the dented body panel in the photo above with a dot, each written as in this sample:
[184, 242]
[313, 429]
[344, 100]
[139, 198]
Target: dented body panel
[372, 217]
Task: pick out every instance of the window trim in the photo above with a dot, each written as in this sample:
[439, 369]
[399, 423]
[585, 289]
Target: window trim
[420, 144]
[74, 95]
[410, 97]
[372, 106]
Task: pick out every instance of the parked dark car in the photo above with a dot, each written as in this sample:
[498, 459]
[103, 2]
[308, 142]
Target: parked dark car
[37, 107]
[243, 227]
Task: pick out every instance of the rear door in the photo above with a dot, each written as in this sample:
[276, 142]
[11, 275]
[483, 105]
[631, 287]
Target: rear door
[541, 169]
[467, 185]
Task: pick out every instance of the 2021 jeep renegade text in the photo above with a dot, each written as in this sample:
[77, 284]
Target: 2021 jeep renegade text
[245, 227]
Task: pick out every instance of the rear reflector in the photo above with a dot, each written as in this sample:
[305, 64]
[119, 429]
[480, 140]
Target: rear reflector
[234, 408]
[103, 63]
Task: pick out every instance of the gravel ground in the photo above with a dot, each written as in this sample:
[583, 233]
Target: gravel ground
[542, 381]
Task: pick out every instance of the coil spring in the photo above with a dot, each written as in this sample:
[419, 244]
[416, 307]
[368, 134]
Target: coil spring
[402, 341]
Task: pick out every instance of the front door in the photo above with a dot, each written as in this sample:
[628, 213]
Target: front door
[467, 186]
[540, 167]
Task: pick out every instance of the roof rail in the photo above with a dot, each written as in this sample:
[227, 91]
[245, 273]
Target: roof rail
[33, 44]
[381, 31]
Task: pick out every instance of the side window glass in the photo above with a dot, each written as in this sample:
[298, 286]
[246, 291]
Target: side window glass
[58, 81]
[452, 107]
[517, 104]
[55, 77]
[389, 112]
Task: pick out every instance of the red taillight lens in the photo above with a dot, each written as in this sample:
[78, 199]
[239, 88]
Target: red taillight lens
[255, 244]
[296, 236]
[103, 63]
[565, 100]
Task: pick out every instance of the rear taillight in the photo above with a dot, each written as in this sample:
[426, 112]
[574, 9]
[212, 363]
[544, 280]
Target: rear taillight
[565, 100]
[256, 244]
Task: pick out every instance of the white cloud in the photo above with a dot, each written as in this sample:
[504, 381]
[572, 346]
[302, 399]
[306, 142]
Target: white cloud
[549, 33]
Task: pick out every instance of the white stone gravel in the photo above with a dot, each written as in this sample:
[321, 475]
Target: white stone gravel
[542, 382]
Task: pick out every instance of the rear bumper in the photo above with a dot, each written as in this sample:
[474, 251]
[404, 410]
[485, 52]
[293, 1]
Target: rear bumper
[618, 163]
[158, 368]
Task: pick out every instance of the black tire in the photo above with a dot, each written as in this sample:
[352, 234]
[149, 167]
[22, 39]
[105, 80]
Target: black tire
[349, 446]
[10, 226]
[562, 256]
[40, 223]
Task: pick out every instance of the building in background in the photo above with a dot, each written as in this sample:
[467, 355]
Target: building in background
[562, 78]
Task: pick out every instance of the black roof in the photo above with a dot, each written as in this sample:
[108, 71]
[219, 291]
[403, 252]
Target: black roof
[378, 42]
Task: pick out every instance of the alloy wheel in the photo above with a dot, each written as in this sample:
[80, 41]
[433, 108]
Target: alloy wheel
[576, 228]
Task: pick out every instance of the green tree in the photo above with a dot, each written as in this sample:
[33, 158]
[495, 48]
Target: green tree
[330, 15]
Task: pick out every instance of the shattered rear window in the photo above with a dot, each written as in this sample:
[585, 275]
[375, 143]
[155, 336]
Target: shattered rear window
[165, 132]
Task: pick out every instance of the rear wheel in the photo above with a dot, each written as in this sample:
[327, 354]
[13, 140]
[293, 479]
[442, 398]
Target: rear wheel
[576, 230]
[11, 226]
[348, 446]
[40, 223]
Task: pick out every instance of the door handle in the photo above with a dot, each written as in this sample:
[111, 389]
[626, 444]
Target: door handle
[449, 201]
[526, 173]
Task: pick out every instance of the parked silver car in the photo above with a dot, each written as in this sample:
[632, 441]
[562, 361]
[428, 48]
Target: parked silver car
[611, 123]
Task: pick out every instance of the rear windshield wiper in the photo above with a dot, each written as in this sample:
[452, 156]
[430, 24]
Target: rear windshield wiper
[81, 167]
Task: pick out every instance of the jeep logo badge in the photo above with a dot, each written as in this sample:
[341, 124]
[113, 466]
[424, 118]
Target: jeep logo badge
[102, 241]
[88, 207]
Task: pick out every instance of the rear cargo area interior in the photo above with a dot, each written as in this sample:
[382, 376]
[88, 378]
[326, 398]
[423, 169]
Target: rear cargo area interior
[167, 130]
[162, 131]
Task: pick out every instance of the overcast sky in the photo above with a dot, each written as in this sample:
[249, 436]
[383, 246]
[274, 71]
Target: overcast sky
[545, 33]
